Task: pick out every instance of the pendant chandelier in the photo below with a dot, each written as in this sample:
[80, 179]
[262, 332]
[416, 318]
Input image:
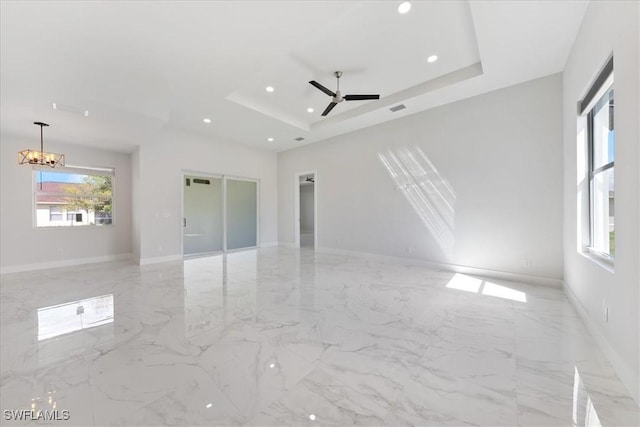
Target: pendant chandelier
[35, 157]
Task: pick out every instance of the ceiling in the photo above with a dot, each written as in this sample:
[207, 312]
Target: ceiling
[141, 67]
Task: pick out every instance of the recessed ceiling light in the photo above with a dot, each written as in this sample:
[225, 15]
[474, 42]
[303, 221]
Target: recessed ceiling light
[269, 89]
[54, 105]
[206, 120]
[309, 110]
[404, 7]
[209, 405]
[270, 139]
[86, 113]
[273, 365]
[312, 417]
[432, 58]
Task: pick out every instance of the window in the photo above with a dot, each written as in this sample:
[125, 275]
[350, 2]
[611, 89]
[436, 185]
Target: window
[599, 110]
[55, 213]
[601, 175]
[75, 216]
[71, 197]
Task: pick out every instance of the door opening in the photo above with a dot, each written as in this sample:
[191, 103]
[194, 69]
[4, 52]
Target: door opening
[306, 209]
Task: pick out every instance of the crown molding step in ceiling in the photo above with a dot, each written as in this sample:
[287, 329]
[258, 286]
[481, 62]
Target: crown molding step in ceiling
[215, 60]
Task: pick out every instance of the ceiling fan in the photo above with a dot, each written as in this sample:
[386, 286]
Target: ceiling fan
[337, 97]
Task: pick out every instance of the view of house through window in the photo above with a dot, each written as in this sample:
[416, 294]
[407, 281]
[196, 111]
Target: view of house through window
[601, 175]
[72, 197]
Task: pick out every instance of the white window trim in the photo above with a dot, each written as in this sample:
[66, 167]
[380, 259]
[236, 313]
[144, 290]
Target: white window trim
[81, 170]
[604, 260]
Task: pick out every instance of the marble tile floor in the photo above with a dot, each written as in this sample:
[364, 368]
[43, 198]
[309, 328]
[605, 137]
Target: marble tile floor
[282, 336]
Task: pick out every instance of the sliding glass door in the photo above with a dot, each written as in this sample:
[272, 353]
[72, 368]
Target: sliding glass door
[242, 213]
[202, 224]
[219, 210]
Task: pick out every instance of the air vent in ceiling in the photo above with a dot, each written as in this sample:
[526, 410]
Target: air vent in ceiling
[70, 109]
[299, 139]
[398, 108]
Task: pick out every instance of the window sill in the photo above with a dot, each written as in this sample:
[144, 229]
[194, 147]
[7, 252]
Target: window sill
[599, 259]
[69, 227]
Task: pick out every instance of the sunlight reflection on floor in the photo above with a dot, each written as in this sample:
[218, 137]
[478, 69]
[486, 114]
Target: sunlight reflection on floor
[466, 283]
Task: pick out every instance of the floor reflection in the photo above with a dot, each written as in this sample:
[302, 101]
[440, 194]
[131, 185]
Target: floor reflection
[74, 316]
[219, 289]
[276, 335]
[584, 413]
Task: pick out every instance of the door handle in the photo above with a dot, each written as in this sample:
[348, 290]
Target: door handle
[184, 222]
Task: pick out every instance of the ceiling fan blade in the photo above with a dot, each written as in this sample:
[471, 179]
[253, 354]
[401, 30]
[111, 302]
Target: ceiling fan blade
[322, 88]
[329, 108]
[360, 97]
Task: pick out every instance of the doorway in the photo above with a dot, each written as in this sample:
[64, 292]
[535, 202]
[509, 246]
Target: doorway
[220, 214]
[306, 231]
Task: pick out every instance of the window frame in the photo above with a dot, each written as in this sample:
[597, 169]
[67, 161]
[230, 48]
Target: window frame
[602, 86]
[79, 170]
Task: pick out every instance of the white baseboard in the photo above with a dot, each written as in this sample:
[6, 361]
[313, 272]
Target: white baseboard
[268, 244]
[179, 257]
[625, 372]
[63, 263]
[495, 274]
[159, 259]
[287, 244]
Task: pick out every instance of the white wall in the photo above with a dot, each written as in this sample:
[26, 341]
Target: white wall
[306, 208]
[23, 246]
[152, 231]
[607, 27]
[162, 162]
[499, 153]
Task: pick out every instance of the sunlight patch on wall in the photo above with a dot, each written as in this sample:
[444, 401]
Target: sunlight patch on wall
[428, 193]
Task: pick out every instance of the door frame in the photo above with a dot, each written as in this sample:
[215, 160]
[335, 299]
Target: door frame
[296, 207]
[185, 173]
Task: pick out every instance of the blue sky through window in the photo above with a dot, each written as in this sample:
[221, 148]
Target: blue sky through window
[612, 142]
[59, 177]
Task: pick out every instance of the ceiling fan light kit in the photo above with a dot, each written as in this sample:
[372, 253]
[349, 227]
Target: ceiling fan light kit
[337, 97]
